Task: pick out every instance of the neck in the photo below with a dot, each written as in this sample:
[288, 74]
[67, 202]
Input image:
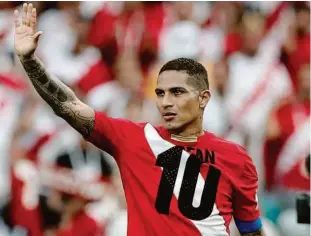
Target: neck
[189, 130]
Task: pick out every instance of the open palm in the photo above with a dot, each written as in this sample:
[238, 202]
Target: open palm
[26, 37]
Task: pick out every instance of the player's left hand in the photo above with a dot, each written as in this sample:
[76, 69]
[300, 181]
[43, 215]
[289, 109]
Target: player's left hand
[26, 37]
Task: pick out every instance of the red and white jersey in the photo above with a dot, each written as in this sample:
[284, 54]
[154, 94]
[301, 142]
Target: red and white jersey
[25, 205]
[293, 153]
[180, 188]
[11, 99]
[284, 155]
[253, 89]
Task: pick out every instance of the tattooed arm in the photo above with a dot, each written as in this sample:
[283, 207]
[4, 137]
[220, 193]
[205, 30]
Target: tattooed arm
[257, 233]
[61, 98]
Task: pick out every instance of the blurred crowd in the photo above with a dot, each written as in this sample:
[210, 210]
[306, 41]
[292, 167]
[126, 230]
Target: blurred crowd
[258, 59]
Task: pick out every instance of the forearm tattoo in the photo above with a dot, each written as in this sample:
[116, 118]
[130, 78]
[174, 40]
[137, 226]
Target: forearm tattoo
[61, 98]
[257, 233]
[43, 83]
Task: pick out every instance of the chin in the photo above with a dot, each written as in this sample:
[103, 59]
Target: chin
[172, 126]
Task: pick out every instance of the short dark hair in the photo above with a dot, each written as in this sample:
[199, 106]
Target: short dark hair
[196, 71]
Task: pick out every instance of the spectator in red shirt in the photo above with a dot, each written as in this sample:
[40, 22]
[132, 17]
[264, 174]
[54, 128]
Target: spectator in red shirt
[296, 50]
[283, 123]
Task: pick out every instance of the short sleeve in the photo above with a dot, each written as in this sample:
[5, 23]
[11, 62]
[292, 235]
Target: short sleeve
[245, 202]
[111, 134]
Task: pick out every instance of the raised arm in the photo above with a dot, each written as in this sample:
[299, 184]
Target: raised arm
[60, 98]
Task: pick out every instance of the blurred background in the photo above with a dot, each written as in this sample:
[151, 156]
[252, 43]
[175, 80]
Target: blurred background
[258, 59]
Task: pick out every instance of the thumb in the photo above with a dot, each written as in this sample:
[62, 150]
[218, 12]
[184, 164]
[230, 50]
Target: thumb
[37, 36]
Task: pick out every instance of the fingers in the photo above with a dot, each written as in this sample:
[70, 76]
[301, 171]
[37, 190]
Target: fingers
[33, 19]
[17, 21]
[24, 13]
[29, 14]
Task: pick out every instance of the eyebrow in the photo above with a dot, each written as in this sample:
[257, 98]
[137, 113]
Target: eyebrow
[171, 89]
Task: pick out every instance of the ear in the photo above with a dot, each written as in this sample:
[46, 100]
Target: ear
[204, 97]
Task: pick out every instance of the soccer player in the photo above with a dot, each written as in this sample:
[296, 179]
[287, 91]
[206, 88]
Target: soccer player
[178, 179]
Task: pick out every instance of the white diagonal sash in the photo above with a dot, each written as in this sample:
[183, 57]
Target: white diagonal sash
[296, 147]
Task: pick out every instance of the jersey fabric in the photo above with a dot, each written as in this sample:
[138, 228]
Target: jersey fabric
[12, 94]
[290, 117]
[180, 188]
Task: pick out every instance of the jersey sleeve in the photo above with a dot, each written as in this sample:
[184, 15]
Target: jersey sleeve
[111, 134]
[245, 202]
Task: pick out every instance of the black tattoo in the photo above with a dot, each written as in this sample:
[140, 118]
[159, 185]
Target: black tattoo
[257, 233]
[77, 119]
[43, 81]
[61, 98]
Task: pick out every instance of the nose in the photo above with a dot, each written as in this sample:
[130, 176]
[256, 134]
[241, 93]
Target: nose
[167, 101]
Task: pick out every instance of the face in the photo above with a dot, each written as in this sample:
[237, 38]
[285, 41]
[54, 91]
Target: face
[251, 40]
[252, 34]
[304, 80]
[183, 10]
[303, 21]
[180, 104]
[221, 76]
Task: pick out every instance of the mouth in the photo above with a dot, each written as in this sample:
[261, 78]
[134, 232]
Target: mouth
[168, 116]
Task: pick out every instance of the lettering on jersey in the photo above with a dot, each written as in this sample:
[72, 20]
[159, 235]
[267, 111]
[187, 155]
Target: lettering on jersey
[170, 161]
[205, 156]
